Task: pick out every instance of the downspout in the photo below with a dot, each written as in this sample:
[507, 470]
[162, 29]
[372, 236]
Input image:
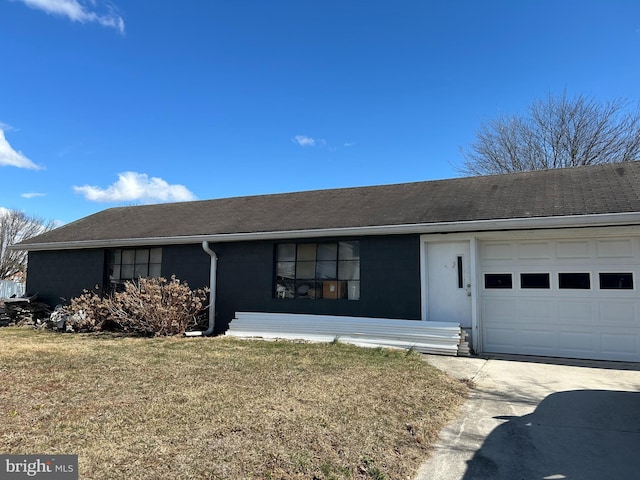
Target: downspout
[212, 293]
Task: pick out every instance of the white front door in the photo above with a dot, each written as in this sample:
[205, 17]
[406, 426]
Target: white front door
[448, 283]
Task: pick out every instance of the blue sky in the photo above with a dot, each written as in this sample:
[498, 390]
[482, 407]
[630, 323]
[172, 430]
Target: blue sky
[129, 102]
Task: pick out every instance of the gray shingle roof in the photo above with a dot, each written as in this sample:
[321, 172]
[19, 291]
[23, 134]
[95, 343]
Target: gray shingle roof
[601, 189]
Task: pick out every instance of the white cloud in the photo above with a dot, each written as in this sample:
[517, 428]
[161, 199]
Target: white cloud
[13, 158]
[78, 11]
[3, 211]
[304, 141]
[32, 195]
[133, 186]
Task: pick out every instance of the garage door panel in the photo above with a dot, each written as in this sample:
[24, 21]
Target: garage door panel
[619, 342]
[498, 250]
[573, 249]
[575, 313]
[500, 338]
[536, 311]
[502, 309]
[540, 339]
[534, 250]
[577, 342]
[618, 313]
[614, 248]
[596, 323]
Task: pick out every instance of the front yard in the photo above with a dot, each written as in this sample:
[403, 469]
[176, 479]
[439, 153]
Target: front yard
[219, 408]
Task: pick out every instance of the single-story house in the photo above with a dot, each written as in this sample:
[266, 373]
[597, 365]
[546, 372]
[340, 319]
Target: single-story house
[540, 263]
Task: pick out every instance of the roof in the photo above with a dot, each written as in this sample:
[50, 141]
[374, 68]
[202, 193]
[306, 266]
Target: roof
[573, 192]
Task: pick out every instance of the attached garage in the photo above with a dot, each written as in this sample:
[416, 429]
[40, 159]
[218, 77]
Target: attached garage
[568, 297]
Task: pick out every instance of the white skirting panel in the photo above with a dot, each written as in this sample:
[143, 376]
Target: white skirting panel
[426, 337]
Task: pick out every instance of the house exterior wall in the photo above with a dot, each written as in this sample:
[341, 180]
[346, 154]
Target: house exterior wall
[58, 275]
[389, 272]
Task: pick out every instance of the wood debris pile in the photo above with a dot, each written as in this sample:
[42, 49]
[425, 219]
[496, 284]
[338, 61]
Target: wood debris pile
[4, 320]
[24, 311]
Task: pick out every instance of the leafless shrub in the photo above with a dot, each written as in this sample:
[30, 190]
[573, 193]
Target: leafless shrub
[88, 312]
[148, 306]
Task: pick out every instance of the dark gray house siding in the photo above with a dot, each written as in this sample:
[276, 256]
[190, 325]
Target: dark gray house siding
[390, 281]
[389, 271]
[58, 275]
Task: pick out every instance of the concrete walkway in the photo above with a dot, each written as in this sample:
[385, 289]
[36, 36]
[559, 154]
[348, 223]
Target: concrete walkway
[535, 418]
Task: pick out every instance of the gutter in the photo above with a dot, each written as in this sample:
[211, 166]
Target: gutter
[564, 221]
[213, 269]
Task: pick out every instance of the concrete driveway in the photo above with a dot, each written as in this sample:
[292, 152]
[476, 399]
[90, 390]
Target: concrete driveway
[533, 418]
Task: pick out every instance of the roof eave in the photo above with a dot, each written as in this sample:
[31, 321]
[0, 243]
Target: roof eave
[567, 221]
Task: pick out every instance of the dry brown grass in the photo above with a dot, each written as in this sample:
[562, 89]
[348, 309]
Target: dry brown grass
[219, 408]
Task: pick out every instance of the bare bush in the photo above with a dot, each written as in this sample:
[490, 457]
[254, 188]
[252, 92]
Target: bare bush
[89, 312]
[148, 306]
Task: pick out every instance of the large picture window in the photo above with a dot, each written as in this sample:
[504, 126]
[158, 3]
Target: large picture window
[328, 270]
[133, 263]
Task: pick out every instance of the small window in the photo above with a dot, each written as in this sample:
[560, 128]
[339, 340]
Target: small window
[534, 280]
[498, 280]
[616, 281]
[574, 281]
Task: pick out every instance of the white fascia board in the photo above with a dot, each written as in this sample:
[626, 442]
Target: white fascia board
[610, 219]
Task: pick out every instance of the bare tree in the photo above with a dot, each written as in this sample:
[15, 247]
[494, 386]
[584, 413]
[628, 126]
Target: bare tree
[557, 132]
[16, 226]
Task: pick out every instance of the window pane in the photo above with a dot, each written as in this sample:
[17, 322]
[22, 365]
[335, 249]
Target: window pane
[114, 273]
[155, 270]
[534, 280]
[349, 251]
[128, 256]
[306, 270]
[326, 270]
[353, 292]
[327, 251]
[307, 290]
[349, 270]
[115, 256]
[285, 289]
[286, 269]
[576, 281]
[127, 272]
[286, 252]
[155, 255]
[141, 271]
[333, 289]
[616, 281]
[142, 256]
[497, 280]
[307, 252]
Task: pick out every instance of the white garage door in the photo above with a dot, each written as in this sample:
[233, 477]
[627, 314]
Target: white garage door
[573, 298]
